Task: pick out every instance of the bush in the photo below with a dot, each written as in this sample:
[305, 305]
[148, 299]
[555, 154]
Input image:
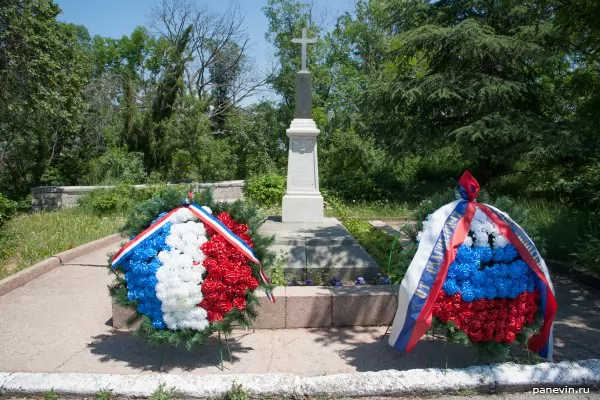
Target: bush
[119, 199]
[116, 166]
[353, 169]
[265, 190]
[7, 208]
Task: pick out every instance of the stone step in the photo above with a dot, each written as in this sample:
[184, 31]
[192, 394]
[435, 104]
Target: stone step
[314, 307]
[319, 251]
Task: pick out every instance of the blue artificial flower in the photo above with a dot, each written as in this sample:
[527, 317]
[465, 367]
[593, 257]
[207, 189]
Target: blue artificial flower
[484, 254]
[490, 292]
[510, 253]
[479, 292]
[360, 281]
[463, 271]
[309, 282]
[159, 217]
[478, 278]
[467, 292]
[141, 267]
[450, 287]
[501, 288]
[158, 323]
[383, 281]
[467, 255]
[498, 254]
[451, 272]
[338, 283]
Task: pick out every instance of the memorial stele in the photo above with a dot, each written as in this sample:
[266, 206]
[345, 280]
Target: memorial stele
[303, 201]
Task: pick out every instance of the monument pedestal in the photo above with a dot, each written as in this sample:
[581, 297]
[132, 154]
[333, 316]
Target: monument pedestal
[302, 201]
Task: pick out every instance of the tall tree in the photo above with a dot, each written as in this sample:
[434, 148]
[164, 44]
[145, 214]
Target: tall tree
[43, 67]
[469, 75]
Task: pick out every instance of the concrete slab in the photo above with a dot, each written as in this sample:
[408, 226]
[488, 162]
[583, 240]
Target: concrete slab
[28, 274]
[271, 315]
[363, 305]
[295, 266]
[121, 317]
[53, 317]
[307, 307]
[98, 258]
[343, 262]
[60, 322]
[384, 227]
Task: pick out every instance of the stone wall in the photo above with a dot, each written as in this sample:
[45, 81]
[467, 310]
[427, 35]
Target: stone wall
[55, 197]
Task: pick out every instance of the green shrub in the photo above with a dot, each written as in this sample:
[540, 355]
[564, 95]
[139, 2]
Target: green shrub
[51, 395]
[116, 166]
[354, 169]
[265, 189]
[119, 199]
[7, 208]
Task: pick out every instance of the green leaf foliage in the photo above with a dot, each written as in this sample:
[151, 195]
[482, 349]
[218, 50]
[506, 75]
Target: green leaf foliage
[265, 190]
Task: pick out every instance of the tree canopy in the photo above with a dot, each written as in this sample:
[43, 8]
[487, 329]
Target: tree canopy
[407, 94]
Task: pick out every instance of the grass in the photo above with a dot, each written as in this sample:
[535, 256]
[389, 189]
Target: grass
[104, 394]
[50, 395]
[376, 209]
[560, 227]
[162, 392]
[236, 392]
[33, 237]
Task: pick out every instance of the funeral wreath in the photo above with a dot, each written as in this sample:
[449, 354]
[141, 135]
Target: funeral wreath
[190, 269]
[479, 277]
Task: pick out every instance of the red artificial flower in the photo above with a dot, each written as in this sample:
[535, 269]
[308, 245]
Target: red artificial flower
[223, 307]
[213, 316]
[239, 303]
[497, 320]
[240, 229]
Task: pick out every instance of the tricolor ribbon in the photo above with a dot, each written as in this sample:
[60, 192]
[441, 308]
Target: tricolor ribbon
[233, 239]
[447, 229]
[133, 243]
[207, 219]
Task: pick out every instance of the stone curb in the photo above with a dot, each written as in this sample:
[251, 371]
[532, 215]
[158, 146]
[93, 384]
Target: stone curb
[82, 250]
[28, 274]
[485, 379]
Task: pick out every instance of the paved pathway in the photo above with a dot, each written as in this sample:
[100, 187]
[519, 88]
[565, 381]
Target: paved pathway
[61, 322]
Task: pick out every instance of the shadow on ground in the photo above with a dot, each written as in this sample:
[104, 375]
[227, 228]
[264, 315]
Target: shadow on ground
[137, 353]
[576, 333]
[378, 355]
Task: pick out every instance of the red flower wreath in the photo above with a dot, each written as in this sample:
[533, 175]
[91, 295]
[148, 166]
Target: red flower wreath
[498, 320]
[228, 274]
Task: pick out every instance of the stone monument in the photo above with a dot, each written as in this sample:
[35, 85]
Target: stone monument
[303, 201]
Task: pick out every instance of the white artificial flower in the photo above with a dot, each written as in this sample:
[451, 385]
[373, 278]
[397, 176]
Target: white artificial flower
[468, 241]
[500, 240]
[179, 280]
[426, 227]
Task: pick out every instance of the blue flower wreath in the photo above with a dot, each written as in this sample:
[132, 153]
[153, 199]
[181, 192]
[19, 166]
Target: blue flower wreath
[507, 277]
[140, 275]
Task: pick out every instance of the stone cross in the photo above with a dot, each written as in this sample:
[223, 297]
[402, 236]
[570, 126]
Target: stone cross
[304, 41]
